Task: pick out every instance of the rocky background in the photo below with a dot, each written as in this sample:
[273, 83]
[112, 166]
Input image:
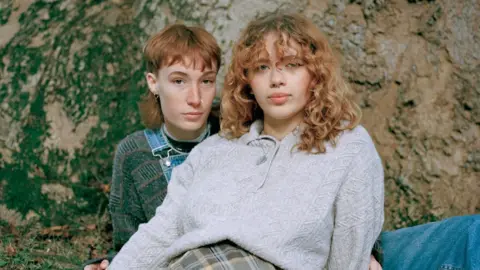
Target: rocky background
[71, 74]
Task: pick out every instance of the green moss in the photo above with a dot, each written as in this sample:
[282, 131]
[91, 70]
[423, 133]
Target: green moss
[87, 90]
[3, 92]
[5, 11]
[186, 9]
[22, 193]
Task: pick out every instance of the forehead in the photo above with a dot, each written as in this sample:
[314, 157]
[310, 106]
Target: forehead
[189, 65]
[277, 45]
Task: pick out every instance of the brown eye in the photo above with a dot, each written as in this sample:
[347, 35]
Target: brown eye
[178, 81]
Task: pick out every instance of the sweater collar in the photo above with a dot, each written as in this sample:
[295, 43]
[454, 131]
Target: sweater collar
[256, 128]
[184, 146]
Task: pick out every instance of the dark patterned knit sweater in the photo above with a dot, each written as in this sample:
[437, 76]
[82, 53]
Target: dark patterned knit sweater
[138, 183]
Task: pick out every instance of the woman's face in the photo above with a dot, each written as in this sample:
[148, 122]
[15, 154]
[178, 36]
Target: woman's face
[281, 84]
[186, 94]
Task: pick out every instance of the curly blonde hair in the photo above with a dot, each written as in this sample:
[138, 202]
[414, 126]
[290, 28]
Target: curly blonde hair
[331, 108]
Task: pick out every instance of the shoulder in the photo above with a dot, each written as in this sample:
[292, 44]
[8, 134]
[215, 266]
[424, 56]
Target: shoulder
[209, 150]
[211, 143]
[358, 135]
[133, 142]
[357, 142]
[133, 151]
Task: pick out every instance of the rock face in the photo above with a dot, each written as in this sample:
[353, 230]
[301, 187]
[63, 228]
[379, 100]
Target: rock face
[71, 74]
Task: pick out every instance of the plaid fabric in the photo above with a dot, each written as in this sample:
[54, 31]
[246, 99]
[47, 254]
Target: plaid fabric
[221, 256]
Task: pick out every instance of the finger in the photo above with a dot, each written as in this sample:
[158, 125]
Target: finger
[375, 266]
[104, 264]
[373, 263]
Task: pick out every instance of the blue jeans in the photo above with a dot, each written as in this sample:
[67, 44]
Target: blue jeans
[453, 243]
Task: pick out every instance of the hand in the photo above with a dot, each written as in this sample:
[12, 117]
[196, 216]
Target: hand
[98, 266]
[374, 265]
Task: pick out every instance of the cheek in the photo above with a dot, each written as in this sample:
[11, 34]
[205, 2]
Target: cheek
[305, 84]
[171, 103]
[209, 94]
[258, 84]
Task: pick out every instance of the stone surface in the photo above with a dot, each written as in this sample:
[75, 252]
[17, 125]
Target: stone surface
[71, 74]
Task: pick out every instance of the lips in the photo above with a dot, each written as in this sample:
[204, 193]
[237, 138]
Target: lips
[278, 95]
[279, 98]
[193, 116]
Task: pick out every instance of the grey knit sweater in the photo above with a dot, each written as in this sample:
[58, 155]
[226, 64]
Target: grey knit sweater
[293, 209]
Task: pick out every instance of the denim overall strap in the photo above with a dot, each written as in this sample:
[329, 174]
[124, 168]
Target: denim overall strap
[158, 144]
[156, 141]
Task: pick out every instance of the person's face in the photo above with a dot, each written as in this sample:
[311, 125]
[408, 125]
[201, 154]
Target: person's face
[281, 84]
[186, 94]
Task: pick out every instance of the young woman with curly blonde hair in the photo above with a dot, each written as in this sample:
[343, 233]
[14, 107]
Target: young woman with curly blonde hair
[292, 181]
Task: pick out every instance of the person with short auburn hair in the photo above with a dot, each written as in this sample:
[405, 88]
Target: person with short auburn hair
[182, 63]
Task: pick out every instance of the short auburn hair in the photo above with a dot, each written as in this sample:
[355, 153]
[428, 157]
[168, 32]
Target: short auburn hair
[174, 44]
[331, 108]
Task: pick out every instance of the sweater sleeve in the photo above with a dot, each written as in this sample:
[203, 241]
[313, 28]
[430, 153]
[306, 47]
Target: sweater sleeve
[358, 212]
[146, 248]
[124, 204]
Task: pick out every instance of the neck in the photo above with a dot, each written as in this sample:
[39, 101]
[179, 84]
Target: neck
[280, 128]
[183, 135]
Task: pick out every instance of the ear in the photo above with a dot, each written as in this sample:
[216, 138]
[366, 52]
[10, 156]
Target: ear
[152, 82]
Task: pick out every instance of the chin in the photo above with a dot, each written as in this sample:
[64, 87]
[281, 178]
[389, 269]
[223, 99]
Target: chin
[190, 126]
[282, 115]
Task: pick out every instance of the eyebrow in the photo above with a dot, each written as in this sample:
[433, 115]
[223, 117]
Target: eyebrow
[263, 60]
[284, 58]
[288, 56]
[180, 73]
[211, 72]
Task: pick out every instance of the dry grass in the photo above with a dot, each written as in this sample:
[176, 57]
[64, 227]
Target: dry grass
[60, 247]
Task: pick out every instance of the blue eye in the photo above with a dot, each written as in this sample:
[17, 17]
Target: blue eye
[262, 67]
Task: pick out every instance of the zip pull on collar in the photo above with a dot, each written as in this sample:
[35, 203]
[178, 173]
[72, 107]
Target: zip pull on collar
[255, 138]
[275, 151]
[290, 140]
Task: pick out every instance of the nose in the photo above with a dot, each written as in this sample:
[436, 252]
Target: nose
[194, 98]
[276, 78]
